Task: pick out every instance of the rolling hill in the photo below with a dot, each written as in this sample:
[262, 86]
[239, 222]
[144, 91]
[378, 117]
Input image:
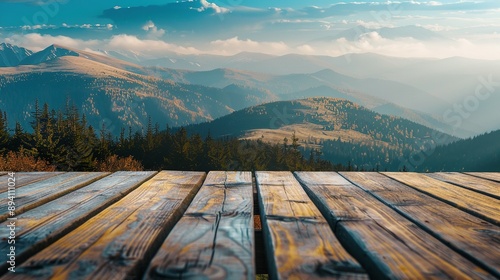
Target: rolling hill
[327, 83]
[343, 130]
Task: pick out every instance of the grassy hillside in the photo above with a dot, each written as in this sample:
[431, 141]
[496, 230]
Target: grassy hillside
[344, 131]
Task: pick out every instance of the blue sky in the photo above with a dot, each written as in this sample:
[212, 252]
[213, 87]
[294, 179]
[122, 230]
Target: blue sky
[155, 28]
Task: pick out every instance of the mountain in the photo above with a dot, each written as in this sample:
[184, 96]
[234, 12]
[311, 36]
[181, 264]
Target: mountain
[56, 51]
[11, 55]
[107, 94]
[343, 130]
[433, 86]
[370, 93]
[387, 85]
[50, 53]
[478, 154]
[284, 85]
[203, 62]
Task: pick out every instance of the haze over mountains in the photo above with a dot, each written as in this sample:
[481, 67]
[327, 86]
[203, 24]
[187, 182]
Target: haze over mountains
[127, 94]
[436, 86]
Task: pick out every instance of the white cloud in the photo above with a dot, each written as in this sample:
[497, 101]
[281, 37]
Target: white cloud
[152, 47]
[483, 47]
[155, 48]
[205, 5]
[152, 30]
[235, 45]
[37, 42]
[306, 49]
[408, 47]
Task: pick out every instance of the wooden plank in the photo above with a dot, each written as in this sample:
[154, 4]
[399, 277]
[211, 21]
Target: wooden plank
[37, 228]
[477, 204]
[493, 176]
[387, 244]
[472, 237]
[476, 184]
[214, 239]
[38, 193]
[299, 241]
[26, 178]
[118, 242]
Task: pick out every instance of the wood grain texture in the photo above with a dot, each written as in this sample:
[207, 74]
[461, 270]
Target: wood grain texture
[483, 186]
[493, 176]
[299, 241]
[477, 204]
[215, 237]
[25, 178]
[387, 244]
[38, 193]
[39, 227]
[119, 241]
[474, 238]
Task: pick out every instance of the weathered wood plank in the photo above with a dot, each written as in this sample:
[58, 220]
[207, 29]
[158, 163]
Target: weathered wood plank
[299, 241]
[120, 240]
[387, 244]
[477, 204]
[38, 193]
[38, 227]
[493, 176]
[472, 183]
[26, 178]
[474, 238]
[214, 239]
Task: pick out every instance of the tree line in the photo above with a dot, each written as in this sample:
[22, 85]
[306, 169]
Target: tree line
[63, 140]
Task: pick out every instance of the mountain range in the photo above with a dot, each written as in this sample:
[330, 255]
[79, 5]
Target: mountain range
[128, 94]
[450, 81]
[12, 55]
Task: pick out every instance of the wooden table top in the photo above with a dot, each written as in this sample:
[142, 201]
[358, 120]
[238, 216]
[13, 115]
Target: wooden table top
[193, 225]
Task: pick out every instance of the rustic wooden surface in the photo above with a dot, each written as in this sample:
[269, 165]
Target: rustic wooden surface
[473, 237]
[477, 184]
[494, 176]
[42, 225]
[38, 193]
[480, 205]
[386, 243]
[315, 225]
[25, 178]
[300, 239]
[215, 237]
[115, 243]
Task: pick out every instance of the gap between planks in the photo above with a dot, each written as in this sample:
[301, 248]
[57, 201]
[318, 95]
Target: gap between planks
[215, 237]
[299, 241]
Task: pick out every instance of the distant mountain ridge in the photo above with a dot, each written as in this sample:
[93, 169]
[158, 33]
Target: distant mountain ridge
[48, 54]
[11, 55]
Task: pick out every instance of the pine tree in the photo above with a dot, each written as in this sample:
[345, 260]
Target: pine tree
[4, 133]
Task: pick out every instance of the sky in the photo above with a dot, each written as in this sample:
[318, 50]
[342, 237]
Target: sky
[155, 28]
